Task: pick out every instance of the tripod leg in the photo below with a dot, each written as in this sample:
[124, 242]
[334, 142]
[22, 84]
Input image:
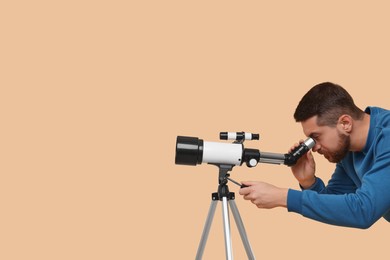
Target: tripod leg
[241, 229]
[226, 224]
[206, 230]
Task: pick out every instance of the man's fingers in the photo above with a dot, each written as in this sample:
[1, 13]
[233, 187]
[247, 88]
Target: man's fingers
[245, 187]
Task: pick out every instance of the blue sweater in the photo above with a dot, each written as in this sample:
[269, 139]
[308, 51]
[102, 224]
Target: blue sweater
[358, 193]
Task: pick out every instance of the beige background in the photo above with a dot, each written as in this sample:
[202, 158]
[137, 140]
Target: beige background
[94, 93]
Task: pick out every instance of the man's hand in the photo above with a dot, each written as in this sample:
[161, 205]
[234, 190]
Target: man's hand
[264, 195]
[304, 169]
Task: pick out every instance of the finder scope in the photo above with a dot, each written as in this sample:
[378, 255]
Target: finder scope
[238, 136]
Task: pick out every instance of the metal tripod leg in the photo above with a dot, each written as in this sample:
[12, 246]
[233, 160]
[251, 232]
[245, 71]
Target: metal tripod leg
[241, 229]
[226, 228]
[206, 229]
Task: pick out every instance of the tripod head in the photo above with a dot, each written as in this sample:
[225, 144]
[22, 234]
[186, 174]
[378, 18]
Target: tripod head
[223, 189]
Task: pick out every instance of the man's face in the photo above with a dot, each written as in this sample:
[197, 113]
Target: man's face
[331, 142]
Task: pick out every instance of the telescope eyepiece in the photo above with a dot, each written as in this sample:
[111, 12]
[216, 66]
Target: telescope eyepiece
[292, 157]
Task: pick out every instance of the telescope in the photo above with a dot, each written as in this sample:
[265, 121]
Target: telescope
[193, 151]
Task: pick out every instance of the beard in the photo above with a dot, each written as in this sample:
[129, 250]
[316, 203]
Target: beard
[341, 151]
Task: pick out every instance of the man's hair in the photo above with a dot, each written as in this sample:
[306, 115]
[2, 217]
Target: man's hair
[328, 101]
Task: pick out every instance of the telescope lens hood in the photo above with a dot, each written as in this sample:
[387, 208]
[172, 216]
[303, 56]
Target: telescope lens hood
[189, 150]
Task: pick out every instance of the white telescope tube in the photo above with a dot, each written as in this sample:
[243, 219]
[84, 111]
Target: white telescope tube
[222, 153]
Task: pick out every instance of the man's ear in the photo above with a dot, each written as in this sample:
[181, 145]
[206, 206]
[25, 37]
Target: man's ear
[346, 123]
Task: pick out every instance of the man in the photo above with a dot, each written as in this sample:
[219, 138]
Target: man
[358, 193]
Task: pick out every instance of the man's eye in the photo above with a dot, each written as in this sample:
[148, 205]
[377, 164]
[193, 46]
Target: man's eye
[315, 137]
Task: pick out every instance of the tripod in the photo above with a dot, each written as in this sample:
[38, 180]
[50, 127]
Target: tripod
[226, 197]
